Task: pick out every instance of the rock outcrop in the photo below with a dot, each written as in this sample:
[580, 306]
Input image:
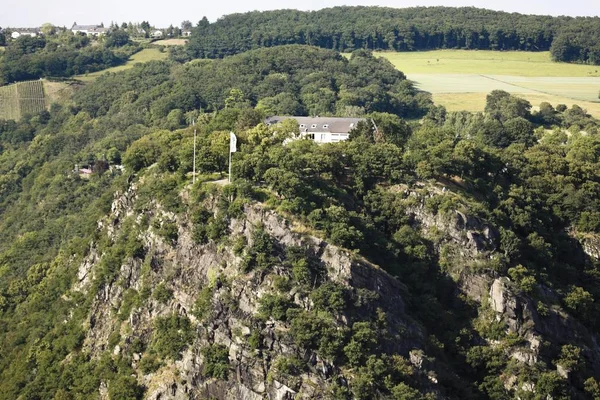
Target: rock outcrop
[185, 267]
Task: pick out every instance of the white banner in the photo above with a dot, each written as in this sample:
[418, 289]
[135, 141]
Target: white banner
[232, 143]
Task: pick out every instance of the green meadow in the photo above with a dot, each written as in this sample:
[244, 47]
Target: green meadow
[143, 56]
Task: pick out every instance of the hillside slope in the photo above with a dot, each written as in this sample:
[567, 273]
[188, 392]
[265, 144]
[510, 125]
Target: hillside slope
[22, 98]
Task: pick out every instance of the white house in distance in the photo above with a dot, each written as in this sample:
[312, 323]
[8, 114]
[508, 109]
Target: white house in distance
[321, 129]
[90, 30]
[18, 32]
[157, 34]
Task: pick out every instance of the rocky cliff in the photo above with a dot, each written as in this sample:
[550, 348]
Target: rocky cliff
[185, 270]
[258, 308]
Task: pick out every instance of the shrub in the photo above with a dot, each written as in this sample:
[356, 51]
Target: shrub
[149, 363]
[579, 301]
[216, 361]
[130, 301]
[203, 304]
[275, 306]
[125, 387]
[169, 231]
[364, 339]
[171, 336]
[287, 370]
[317, 332]
[162, 294]
[329, 297]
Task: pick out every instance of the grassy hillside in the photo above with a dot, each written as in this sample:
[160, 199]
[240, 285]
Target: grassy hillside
[139, 57]
[21, 98]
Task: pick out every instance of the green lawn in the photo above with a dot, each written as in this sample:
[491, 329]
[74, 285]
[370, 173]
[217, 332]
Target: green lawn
[140, 57]
[517, 63]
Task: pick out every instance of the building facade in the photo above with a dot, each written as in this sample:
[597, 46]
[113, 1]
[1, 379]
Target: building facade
[321, 129]
[90, 30]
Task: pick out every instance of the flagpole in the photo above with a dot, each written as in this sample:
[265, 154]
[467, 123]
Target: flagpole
[229, 166]
[232, 149]
[194, 162]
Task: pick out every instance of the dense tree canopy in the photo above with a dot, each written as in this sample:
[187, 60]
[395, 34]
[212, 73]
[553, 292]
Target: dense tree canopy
[406, 29]
[278, 79]
[61, 55]
[534, 176]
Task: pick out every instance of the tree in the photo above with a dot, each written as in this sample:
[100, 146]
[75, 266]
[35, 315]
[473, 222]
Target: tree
[394, 129]
[186, 25]
[141, 154]
[117, 38]
[216, 361]
[502, 106]
[125, 387]
[48, 29]
[519, 130]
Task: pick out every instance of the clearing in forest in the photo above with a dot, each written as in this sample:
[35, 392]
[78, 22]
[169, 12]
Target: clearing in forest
[460, 79]
[143, 56]
[170, 42]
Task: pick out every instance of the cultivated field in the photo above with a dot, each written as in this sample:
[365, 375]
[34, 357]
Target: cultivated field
[21, 98]
[460, 79]
[170, 42]
[140, 57]
[518, 63]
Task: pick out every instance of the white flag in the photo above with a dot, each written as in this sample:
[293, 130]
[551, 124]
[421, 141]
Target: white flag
[232, 143]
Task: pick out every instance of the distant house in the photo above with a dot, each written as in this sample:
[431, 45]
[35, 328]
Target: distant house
[90, 30]
[18, 32]
[157, 34]
[321, 129]
[186, 33]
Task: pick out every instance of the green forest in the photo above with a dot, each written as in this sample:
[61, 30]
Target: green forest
[406, 29]
[62, 55]
[531, 175]
[87, 254]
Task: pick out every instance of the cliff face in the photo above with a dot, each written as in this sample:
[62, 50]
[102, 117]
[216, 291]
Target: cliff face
[234, 296]
[184, 268]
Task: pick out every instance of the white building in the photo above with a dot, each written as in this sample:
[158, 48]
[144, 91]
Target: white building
[18, 32]
[90, 30]
[321, 129]
[157, 34]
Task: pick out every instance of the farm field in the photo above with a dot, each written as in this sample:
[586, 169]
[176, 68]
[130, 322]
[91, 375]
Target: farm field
[517, 63]
[476, 101]
[140, 57]
[170, 42]
[461, 79]
[21, 98]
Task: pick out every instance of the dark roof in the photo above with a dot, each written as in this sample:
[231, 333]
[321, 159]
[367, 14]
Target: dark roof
[76, 27]
[26, 30]
[319, 124]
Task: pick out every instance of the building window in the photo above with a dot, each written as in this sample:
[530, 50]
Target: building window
[325, 126]
[302, 126]
[313, 126]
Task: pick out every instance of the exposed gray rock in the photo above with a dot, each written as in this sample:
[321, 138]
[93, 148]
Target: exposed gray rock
[185, 268]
